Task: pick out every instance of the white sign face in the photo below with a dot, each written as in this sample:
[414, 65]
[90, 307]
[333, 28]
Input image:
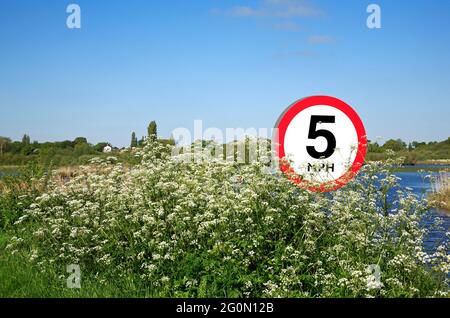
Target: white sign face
[321, 135]
[322, 143]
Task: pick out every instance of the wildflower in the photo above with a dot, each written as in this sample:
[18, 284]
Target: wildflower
[165, 219]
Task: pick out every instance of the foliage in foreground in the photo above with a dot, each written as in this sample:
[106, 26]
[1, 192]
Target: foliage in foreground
[208, 229]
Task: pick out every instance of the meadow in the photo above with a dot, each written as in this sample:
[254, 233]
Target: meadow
[170, 228]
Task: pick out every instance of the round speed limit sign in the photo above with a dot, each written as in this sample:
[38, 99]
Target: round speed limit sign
[321, 143]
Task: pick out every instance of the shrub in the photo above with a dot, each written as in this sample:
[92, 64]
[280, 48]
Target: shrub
[222, 229]
[440, 197]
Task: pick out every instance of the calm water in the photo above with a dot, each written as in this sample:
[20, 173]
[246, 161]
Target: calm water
[421, 186]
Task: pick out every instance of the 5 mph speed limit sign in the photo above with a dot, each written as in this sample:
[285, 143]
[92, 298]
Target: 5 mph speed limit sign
[321, 143]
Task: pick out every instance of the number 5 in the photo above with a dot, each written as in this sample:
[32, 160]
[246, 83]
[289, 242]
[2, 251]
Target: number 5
[328, 135]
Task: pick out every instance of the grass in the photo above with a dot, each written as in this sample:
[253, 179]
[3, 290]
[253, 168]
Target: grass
[440, 196]
[416, 169]
[167, 228]
[20, 278]
[435, 162]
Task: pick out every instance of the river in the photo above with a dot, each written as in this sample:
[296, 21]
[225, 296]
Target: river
[421, 186]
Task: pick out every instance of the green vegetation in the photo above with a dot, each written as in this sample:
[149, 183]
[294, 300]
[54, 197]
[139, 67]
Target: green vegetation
[440, 197]
[64, 153]
[134, 141]
[171, 227]
[20, 278]
[143, 224]
[75, 152]
[152, 130]
[415, 152]
[80, 151]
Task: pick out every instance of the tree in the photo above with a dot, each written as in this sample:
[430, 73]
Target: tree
[99, 147]
[141, 142]
[374, 147]
[82, 149]
[395, 145]
[66, 144]
[26, 139]
[152, 130]
[134, 142]
[4, 143]
[416, 144]
[79, 140]
[410, 147]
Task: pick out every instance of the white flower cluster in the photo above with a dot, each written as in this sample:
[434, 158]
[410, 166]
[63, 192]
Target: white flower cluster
[228, 229]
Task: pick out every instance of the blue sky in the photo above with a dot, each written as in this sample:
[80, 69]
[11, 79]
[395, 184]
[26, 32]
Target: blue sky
[231, 63]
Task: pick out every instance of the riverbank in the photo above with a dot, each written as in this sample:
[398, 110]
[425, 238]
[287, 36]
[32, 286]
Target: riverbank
[422, 168]
[440, 197]
[434, 162]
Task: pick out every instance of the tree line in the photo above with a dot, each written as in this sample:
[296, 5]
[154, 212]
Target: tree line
[65, 152]
[152, 133]
[80, 150]
[413, 152]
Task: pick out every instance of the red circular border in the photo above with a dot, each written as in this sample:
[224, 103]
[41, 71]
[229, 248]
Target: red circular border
[286, 119]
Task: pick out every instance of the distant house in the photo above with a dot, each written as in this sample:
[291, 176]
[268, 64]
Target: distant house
[107, 148]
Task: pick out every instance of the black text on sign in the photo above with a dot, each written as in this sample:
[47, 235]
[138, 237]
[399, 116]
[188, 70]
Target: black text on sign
[321, 142]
